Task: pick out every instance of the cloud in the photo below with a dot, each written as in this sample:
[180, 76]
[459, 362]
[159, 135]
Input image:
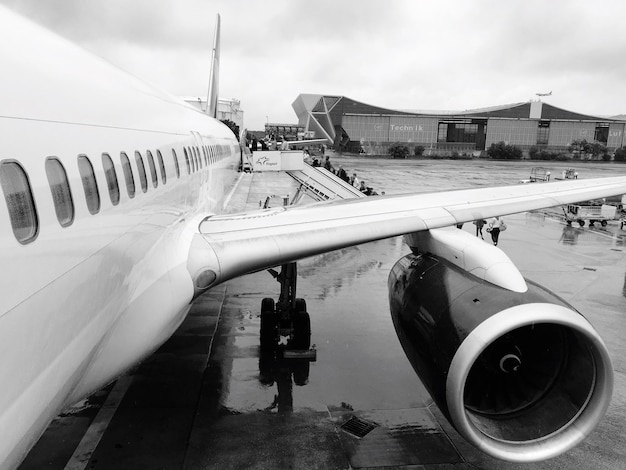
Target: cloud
[403, 54]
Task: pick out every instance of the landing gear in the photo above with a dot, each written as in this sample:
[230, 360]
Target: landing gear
[286, 324]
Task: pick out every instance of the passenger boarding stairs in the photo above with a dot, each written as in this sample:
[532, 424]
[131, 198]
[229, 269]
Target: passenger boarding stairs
[322, 185]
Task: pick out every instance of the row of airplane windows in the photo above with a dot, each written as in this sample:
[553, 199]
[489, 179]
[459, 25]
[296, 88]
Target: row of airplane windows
[21, 202]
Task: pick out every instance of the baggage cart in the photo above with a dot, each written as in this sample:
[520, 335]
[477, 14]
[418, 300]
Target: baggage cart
[590, 214]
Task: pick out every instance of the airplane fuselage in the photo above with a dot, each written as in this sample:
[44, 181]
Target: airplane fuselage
[94, 282]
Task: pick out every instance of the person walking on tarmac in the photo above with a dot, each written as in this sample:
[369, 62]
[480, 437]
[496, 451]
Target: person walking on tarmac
[496, 226]
[480, 223]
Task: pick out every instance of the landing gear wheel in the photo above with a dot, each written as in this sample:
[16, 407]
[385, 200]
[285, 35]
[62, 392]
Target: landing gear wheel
[603, 223]
[269, 322]
[301, 326]
[581, 223]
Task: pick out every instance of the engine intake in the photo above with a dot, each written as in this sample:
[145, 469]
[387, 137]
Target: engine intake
[522, 376]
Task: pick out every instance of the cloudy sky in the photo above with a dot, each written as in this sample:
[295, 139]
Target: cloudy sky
[400, 54]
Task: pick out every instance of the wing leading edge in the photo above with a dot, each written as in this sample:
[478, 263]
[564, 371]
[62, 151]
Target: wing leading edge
[232, 245]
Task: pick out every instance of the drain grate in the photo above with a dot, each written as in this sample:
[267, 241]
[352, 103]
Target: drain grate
[358, 427]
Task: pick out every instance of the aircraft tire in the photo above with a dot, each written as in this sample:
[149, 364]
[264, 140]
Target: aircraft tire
[268, 324]
[301, 326]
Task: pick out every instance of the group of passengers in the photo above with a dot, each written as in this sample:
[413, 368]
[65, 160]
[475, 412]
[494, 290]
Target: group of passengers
[342, 174]
[496, 225]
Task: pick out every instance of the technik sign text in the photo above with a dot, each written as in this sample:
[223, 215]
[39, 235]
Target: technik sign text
[405, 128]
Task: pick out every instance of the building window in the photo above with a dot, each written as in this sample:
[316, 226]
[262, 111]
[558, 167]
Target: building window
[601, 133]
[142, 171]
[111, 177]
[153, 173]
[60, 189]
[461, 132]
[161, 166]
[128, 175]
[176, 167]
[543, 132]
[20, 203]
[88, 177]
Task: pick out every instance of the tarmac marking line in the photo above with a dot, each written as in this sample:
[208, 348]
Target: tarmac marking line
[86, 447]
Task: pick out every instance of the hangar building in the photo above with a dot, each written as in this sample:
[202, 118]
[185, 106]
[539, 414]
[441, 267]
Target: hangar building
[353, 126]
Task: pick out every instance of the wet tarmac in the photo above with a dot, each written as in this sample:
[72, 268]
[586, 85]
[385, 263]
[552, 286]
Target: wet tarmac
[209, 400]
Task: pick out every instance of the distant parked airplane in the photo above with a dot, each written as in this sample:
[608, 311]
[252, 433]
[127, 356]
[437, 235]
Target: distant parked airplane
[544, 94]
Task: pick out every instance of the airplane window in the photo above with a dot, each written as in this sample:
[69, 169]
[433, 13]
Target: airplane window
[176, 163]
[161, 166]
[60, 189]
[128, 175]
[153, 173]
[20, 202]
[142, 172]
[90, 186]
[111, 177]
[193, 161]
[196, 150]
[187, 160]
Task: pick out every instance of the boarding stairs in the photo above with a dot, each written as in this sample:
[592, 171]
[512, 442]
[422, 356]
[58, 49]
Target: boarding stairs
[322, 185]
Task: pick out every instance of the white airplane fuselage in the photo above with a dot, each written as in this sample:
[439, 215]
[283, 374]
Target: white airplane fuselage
[82, 303]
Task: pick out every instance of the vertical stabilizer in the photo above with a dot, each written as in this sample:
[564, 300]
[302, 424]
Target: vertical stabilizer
[211, 99]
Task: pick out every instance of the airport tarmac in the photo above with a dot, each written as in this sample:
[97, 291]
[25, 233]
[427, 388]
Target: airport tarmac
[208, 400]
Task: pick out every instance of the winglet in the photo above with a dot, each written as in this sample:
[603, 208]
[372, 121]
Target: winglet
[212, 94]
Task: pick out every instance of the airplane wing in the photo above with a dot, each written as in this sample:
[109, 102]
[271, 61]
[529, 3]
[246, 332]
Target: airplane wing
[232, 245]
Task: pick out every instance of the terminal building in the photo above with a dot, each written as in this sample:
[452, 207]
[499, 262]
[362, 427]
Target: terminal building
[357, 127]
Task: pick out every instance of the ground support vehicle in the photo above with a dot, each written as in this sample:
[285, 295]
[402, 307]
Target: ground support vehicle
[590, 214]
[539, 174]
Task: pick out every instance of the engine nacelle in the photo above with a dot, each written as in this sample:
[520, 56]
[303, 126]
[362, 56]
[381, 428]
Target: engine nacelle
[520, 375]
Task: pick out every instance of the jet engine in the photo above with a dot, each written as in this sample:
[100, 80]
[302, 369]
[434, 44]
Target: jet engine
[520, 375]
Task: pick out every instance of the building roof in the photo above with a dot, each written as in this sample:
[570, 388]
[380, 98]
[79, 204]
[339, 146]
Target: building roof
[334, 105]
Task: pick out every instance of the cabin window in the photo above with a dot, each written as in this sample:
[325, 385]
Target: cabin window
[88, 177]
[153, 173]
[19, 200]
[191, 157]
[142, 172]
[198, 156]
[187, 160]
[176, 167]
[60, 189]
[111, 177]
[161, 166]
[128, 175]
